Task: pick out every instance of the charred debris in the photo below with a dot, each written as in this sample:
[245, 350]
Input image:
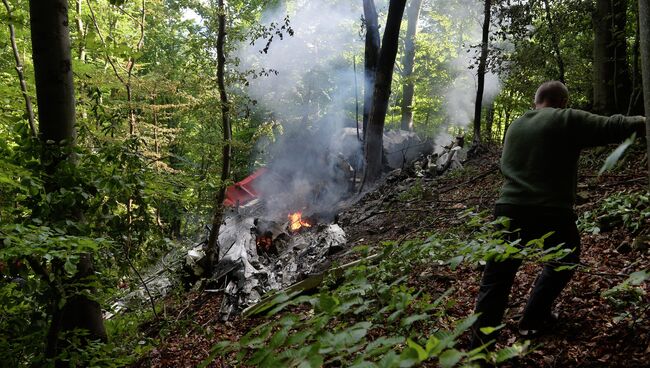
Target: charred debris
[282, 224]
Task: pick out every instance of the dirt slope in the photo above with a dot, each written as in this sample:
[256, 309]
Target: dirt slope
[409, 207]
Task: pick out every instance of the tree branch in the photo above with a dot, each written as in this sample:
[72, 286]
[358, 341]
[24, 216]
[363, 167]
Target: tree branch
[101, 38]
[19, 71]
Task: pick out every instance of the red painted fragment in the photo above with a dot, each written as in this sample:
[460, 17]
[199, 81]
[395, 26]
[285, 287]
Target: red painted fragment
[243, 191]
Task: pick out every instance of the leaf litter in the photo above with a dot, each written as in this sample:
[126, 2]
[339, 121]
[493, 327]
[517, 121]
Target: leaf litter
[589, 334]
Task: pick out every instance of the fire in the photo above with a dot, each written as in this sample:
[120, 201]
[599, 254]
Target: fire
[296, 222]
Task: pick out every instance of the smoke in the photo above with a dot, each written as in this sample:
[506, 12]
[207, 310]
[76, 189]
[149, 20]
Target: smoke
[311, 72]
[306, 83]
[460, 95]
[308, 87]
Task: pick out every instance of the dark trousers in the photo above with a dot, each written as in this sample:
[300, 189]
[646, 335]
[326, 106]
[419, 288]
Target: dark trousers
[533, 223]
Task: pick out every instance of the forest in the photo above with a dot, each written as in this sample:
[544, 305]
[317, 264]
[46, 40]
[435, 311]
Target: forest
[294, 183]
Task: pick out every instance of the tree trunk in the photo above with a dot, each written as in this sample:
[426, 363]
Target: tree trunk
[554, 40]
[19, 71]
[56, 111]
[381, 94]
[129, 70]
[371, 58]
[635, 106]
[611, 71]
[481, 75]
[413, 13]
[489, 123]
[82, 32]
[213, 251]
[644, 25]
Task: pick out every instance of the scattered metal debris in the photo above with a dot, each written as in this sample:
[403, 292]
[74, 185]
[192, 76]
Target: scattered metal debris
[402, 147]
[260, 255]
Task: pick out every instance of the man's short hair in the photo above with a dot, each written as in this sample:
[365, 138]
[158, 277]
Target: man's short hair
[554, 93]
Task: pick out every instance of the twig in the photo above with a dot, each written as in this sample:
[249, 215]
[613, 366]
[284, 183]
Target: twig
[624, 182]
[189, 304]
[144, 284]
[356, 96]
[477, 177]
[19, 71]
[391, 211]
[103, 41]
[584, 268]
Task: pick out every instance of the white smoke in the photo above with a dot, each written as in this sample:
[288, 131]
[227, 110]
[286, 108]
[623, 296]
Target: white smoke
[460, 95]
[310, 91]
[311, 72]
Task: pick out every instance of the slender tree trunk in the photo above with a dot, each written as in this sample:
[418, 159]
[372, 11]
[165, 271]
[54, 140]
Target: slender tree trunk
[611, 71]
[129, 70]
[635, 106]
[19, 71]
[413, 13]
[384, 77]
[481, 74]
[554, 40]
[213, 251]
[56, 109]
[371, 58]
[489, 123]
[644, 26]
[82, 32]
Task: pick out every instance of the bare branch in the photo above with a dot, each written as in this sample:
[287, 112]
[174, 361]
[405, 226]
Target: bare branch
[101, 38]
[19, 71]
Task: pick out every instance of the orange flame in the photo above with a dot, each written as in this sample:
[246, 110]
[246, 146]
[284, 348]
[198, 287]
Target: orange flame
[296, 221]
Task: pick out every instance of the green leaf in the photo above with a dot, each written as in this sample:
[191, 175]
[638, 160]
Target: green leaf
[327, 303]
[279, 338]
[69, 267]
[298, 337]
[259, 357]
[416, 317]
[218, 349]
[638, 277]
[381, 344]
[408, 358]
[450, 357]
[314, 361]
[421, 353]
[391, 359]
[466, 323]
[454, 262]
[511, 352]
[489, 330]
[432, 343]
[363, 364]
[565, 267]
[613, 157]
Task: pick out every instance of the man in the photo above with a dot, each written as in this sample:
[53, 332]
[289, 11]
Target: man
[539, 163]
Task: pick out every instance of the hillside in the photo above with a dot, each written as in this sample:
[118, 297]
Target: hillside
[414, 213]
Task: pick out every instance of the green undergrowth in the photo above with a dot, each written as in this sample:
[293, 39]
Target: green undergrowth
[379, 313]
[630, 210]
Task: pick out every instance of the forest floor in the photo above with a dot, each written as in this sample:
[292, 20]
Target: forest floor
[588, 335]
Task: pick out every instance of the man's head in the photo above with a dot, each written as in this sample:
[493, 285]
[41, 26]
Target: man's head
[551, 94]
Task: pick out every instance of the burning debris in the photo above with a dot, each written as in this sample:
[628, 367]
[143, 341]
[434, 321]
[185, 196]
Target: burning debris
[260, 255]
[281, 224]
[296, 222]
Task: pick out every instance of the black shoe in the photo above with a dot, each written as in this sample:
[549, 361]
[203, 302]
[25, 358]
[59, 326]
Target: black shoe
[532, 331]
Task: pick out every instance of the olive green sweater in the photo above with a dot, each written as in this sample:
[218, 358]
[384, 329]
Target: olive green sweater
[541, 149]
